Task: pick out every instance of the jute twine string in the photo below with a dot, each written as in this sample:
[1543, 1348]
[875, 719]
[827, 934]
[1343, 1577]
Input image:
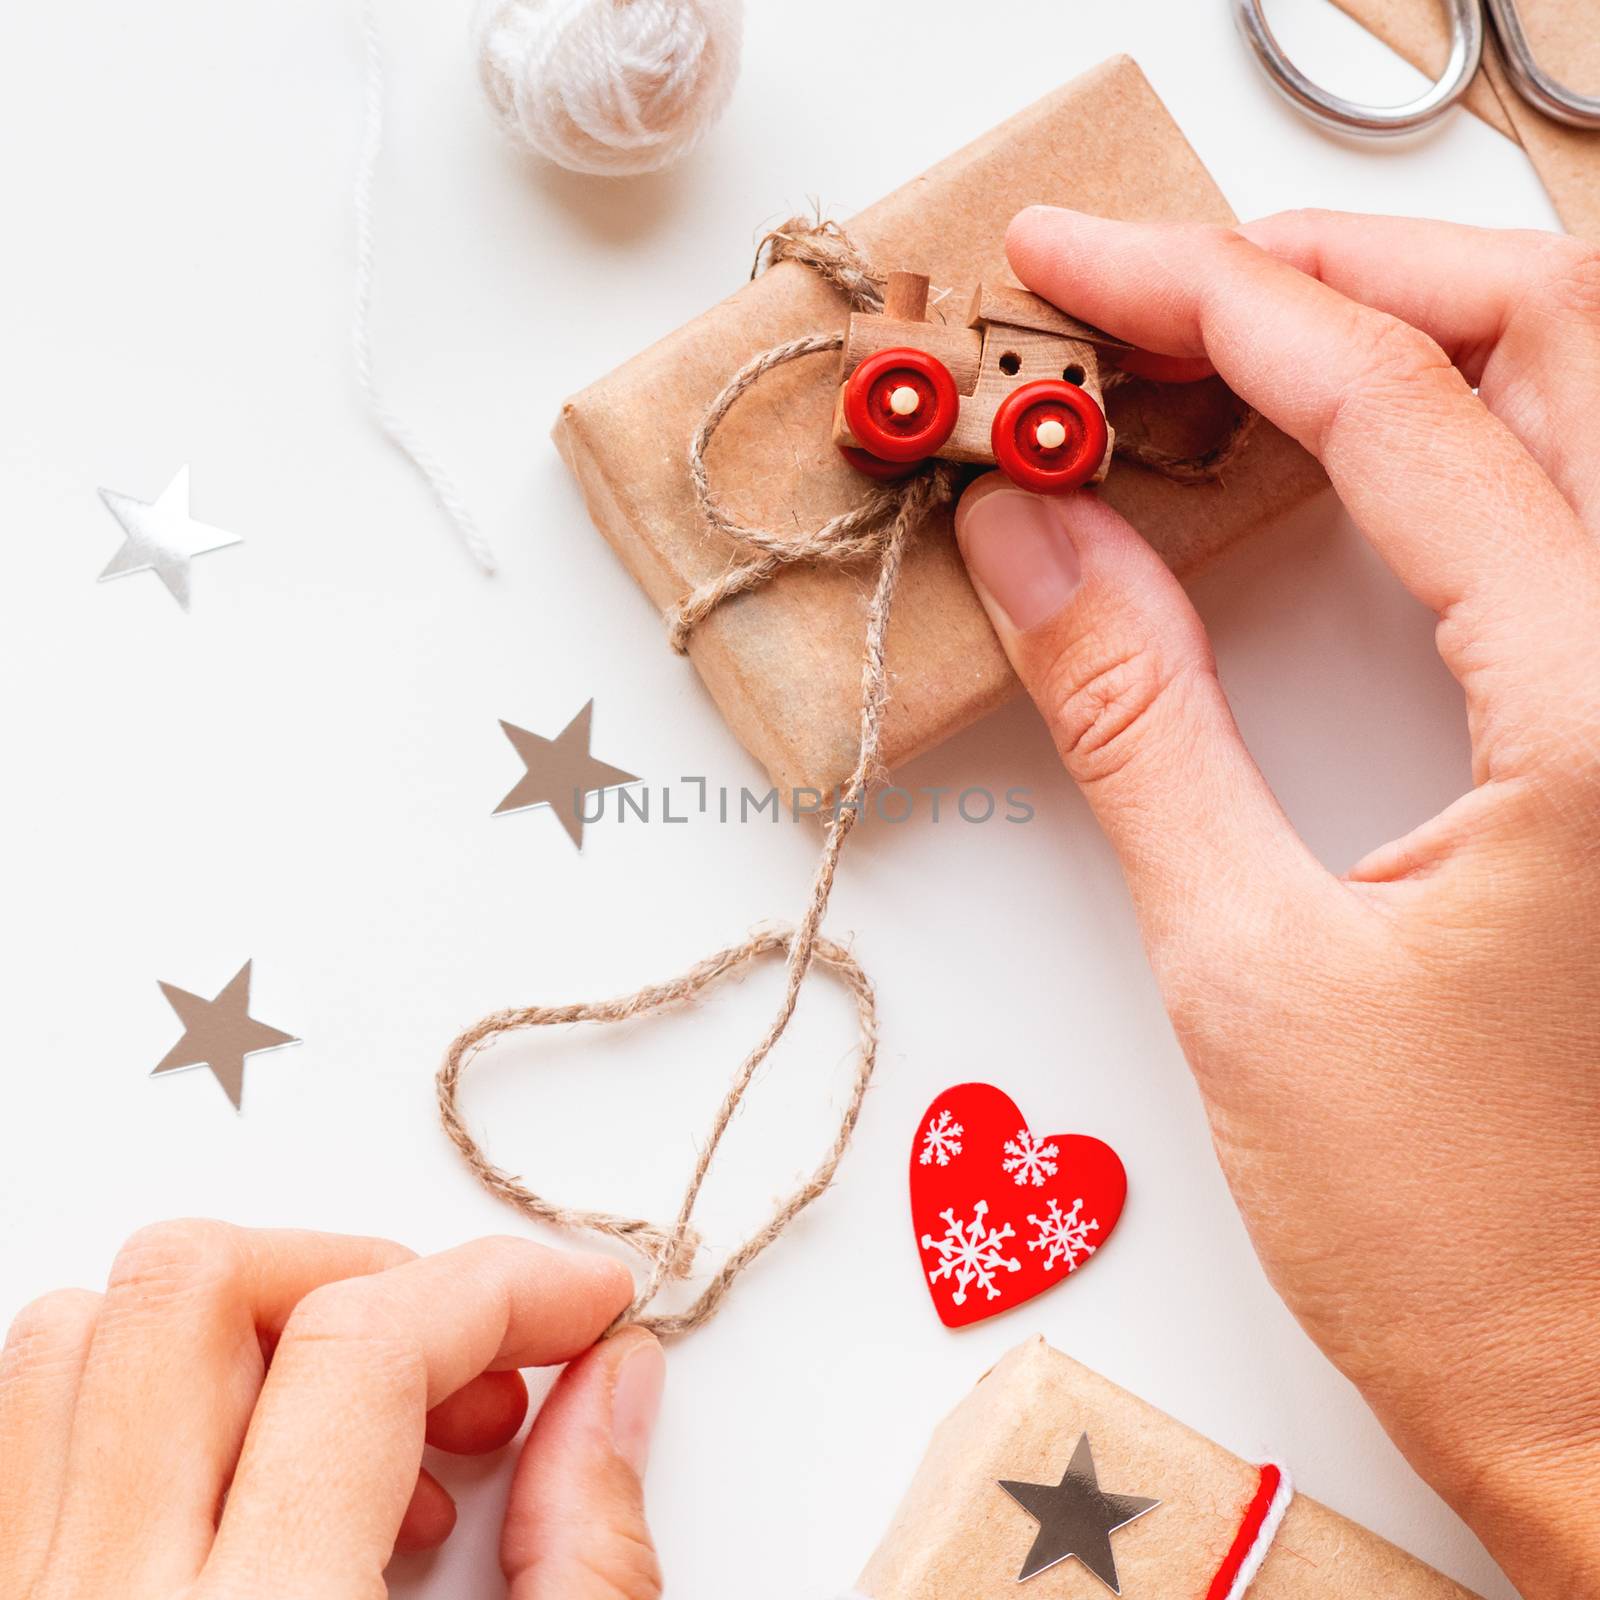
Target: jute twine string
[878, 527]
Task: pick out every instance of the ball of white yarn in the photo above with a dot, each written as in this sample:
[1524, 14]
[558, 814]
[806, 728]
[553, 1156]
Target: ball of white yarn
[609, 86]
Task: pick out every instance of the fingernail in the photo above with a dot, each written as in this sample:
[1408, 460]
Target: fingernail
[1016, 545]
[636, 1402]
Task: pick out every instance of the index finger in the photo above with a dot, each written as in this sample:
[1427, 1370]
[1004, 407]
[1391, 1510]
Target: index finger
[332, 1452]
[1517, 311]
[1448, 495]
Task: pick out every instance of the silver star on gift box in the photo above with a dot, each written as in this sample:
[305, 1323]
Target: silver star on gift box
[1076, 1517]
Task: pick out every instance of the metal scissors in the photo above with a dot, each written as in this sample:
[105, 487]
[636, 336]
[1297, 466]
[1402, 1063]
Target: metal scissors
[1469, 24]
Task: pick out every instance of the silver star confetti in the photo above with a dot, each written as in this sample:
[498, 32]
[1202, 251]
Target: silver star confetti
[1076, 1517]
[219, 1033]
[162, 537]
[561, 772]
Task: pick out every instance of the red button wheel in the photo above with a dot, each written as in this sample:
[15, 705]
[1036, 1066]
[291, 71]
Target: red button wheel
[901, 405]
[874, 466]
[1049, 436]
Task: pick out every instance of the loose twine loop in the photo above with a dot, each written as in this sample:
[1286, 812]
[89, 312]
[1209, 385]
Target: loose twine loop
[671, 1250]
[877, 528]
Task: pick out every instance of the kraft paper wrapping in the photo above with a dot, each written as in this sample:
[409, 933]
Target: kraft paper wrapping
[784, 663]
[1565, 35]
[957, 1536]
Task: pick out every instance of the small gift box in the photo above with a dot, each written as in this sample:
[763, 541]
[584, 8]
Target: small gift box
[783, 660]
[989, 1502]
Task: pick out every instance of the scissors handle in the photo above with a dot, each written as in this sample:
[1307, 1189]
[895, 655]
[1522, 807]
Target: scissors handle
[1535, 85]
[1532, 82]
[1350, 116]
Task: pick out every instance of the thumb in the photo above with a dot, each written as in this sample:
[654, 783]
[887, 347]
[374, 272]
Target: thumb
[1116, 658]
[575, 1527]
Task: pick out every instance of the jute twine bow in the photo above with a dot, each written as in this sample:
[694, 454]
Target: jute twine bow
[877, 528]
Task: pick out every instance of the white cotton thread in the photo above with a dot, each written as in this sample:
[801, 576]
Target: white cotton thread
[613, 87]
[409, 445]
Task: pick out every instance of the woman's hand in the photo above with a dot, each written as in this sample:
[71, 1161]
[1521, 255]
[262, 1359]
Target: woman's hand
[242, 1414]
[1401, 1065]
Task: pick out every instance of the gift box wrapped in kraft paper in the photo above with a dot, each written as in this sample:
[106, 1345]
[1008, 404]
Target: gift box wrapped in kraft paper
[783, 661]
[959, 1535]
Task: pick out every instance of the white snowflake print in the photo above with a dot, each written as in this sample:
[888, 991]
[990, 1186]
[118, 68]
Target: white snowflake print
[941, 1140]
[1030, 1161]
[1063, 1235]
[970, 1253]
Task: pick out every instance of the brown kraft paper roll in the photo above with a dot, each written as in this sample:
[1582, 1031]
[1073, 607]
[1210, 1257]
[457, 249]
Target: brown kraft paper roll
[1565, 35]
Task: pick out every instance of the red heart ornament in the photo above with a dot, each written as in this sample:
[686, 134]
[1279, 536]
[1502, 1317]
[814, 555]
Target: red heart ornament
[1000, 1213]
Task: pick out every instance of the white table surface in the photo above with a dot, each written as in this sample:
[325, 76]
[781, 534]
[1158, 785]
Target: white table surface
[302, 770]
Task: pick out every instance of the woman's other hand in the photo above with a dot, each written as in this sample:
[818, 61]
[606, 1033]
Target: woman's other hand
[243, 1413]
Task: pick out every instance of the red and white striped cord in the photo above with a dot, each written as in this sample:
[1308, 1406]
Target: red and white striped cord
[1262, 1519]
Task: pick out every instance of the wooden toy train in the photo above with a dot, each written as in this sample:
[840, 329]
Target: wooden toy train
[1018, 387]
